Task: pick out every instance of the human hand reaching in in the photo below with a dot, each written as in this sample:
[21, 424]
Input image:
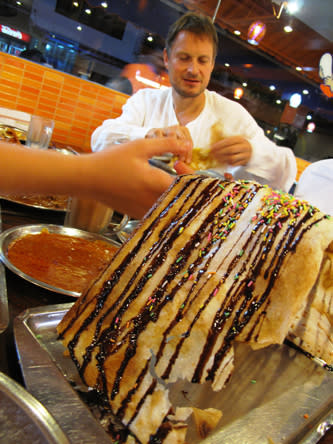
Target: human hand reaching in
[127, 182]
[176, 131]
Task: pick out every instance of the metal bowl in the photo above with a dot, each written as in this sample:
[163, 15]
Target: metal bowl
[8, 236]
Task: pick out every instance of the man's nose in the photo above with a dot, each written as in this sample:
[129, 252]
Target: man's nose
[193, 67]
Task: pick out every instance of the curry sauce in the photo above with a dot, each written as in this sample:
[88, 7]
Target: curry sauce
[62, 261]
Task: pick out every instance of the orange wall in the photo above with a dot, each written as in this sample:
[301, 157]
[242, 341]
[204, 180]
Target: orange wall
[76, 105]
[301, 165]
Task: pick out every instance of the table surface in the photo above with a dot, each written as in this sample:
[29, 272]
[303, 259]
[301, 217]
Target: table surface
[23, 295]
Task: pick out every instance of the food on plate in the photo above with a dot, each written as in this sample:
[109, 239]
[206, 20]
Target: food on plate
[52, 202]
[11, 134]
[202, 158]
[213, 262]
[66, 262]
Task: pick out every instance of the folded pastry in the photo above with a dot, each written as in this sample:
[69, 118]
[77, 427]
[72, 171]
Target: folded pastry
[202, 158]
[211, 263]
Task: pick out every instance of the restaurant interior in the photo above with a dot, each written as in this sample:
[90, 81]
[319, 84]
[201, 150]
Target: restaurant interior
[104, 44]
[77, 62]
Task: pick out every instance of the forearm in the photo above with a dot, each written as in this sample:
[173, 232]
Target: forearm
[34, 171]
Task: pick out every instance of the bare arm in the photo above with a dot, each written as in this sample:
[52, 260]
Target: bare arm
[121, 177]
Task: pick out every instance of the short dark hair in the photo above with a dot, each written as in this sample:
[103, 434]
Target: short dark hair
[193, 22]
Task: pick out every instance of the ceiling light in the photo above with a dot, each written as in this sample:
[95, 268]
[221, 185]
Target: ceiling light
[295, 100]
[150, 38]
[19, 3]
[309, 117]
[236, 32]
[146, 81]
[305, 92]
[227, 64]
[238, 93]
[244, 84]
[104, 5]
[311, 127]
[292, 6]
[272, 88]
[76, 4]
[288, 28]
[87, 11]
[298, 68]
[256, 32]
[79, 28]
[278, 101]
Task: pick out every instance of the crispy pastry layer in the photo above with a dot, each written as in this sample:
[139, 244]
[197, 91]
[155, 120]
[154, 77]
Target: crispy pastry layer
[212, 262]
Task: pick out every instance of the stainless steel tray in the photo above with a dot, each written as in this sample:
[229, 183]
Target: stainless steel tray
[4, 314]
[24, 419]
[276, 395]
[15, 233]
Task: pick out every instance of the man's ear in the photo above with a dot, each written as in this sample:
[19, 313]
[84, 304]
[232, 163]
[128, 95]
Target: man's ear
[165, 58]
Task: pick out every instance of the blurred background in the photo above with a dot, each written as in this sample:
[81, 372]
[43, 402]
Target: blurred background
[270, 59]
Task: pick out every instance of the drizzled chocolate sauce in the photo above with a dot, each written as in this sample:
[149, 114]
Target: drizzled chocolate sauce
[185, 237]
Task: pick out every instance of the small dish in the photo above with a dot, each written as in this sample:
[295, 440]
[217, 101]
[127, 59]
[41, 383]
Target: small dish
[54, 266]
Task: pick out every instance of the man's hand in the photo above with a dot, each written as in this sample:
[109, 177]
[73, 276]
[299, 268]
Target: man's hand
[177, 131]
[233, 151]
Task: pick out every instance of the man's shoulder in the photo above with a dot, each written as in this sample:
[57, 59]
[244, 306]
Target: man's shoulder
[215, 97]
[216, 100]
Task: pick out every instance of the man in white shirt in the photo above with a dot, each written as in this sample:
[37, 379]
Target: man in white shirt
[187, 110]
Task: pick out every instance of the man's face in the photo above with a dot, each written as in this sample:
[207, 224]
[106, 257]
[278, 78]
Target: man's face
[190, 63]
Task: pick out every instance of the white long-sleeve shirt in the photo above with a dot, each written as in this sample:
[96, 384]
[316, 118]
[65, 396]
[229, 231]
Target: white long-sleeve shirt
[150, 108]
[315, 185]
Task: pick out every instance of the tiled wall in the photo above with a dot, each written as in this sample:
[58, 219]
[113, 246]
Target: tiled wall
[77, 105]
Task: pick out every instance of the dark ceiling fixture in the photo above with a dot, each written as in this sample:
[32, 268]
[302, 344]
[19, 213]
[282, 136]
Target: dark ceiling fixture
[7, 9]
[98, 17]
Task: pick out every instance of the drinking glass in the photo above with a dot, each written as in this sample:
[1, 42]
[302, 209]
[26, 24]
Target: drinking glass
[39, 132]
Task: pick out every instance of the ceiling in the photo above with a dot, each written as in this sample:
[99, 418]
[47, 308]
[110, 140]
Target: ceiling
[273, 61]
[311, 36]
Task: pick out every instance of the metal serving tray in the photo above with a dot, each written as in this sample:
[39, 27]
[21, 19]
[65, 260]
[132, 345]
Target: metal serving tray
[275, 396]
[4, 315]
[24, 419]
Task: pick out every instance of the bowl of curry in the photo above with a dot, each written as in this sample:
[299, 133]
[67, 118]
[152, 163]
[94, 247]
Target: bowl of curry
[61, 259]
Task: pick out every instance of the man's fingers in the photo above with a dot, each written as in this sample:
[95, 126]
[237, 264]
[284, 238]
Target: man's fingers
[158, 146]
